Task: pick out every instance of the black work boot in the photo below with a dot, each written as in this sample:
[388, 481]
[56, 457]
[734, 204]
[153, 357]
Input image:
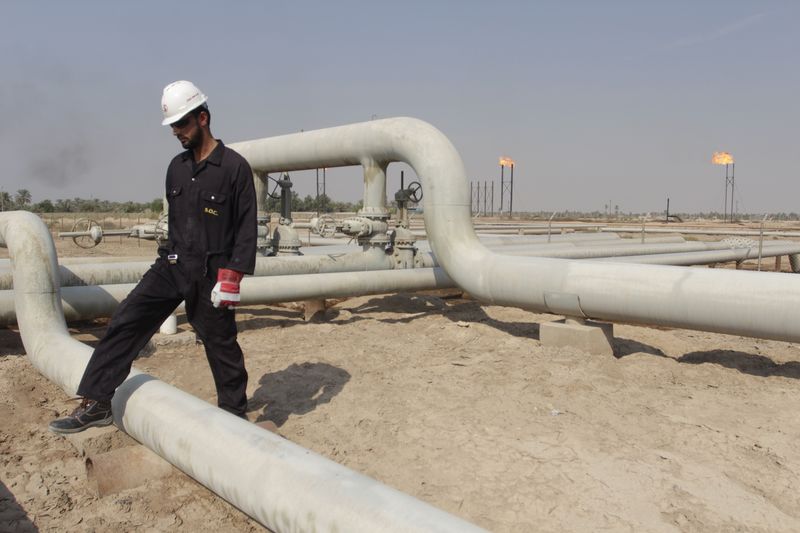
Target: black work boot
[90, 413]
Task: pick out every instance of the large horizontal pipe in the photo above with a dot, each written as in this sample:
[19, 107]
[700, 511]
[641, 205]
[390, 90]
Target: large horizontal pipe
[511, 240]
[91, 274]
[711, 256]
[86, 303]
[343, 284]
[97, 259]
[501, 241]
[370, 258]
[754, 304]
[280, 484]
[545, 225]
[373, 258]
[574, 249]
[698, 231]
[78, 302]
[637, 249]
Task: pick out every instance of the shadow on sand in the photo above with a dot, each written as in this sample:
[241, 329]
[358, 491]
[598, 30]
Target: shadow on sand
[746, 363]
[13, 517]
[298, 389]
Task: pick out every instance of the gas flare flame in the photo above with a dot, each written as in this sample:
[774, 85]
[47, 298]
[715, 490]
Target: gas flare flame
[506, 161]
[722, 158]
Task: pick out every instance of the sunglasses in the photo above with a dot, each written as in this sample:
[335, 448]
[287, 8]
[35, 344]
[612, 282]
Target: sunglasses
[181, 123]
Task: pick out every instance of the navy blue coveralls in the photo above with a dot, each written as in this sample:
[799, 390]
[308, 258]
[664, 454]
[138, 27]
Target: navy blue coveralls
[212, 225]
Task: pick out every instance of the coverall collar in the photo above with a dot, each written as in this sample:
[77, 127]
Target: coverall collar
[215, 157]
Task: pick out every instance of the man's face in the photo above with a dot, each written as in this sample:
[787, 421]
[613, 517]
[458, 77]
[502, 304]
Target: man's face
[187, 130]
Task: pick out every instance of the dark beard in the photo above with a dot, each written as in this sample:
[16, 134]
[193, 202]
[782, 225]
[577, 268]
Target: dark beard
[194, 141]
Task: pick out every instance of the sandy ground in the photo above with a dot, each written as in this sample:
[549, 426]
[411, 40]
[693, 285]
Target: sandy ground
[457, 404]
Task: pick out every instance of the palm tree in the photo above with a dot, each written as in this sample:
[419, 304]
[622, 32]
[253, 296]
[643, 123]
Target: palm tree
[23, 197]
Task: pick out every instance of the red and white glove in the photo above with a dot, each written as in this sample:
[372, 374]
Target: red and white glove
[226, 292]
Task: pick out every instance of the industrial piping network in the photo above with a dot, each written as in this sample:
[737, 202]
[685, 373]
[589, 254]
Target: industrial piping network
[760, 304]
[87, 291]
[256, 465]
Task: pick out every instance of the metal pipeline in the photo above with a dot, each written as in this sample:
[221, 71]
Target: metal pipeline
[343, 284]
[754, 304]
[91, 274]
[512, 240]
[83, 303]
[712, 256]
[280, 484]
[630, 249]
[369, 258]
[578, 248]
[698, 231]
[372, 258]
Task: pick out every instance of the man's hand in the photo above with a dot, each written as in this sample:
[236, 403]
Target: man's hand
[226, 292]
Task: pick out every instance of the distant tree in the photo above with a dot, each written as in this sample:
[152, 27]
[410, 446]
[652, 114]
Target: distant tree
[5, 201]
[156, 206]
[64, 206]
[23, 197]
[322, 204]
[306, 204]
[45, 206]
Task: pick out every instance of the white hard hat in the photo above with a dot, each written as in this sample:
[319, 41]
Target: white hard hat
[178, 99]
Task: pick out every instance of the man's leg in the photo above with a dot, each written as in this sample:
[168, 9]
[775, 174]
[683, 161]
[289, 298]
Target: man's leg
[216, 327]
[134, 322]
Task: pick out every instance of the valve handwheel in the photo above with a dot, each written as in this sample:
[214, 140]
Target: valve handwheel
[93, 233]
[276, 188]
[415, 191]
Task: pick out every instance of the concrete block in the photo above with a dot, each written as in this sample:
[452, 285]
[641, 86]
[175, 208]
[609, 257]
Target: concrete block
[312, 307]
[184, 338]
[592, 337]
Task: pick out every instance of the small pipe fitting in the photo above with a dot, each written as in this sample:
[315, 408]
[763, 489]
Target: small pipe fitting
[364, 227]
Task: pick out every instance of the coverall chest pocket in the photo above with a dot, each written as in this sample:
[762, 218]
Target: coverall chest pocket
[172, 195]
[213, 204]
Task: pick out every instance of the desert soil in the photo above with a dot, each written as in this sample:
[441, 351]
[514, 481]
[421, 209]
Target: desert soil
[459, 405]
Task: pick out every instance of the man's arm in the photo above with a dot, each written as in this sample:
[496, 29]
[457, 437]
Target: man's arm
[165, 246]
[243, 255]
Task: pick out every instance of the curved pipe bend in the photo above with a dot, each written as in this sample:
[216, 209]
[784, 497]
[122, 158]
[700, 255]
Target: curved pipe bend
[760, 304]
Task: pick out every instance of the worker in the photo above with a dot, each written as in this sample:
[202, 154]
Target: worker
[211, 246]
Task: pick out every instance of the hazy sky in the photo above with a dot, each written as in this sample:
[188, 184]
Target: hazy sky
[596, 101]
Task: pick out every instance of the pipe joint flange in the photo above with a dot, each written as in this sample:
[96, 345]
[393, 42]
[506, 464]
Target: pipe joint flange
[380, 239]
[404, 239]
[285, 240]
[381, 213]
